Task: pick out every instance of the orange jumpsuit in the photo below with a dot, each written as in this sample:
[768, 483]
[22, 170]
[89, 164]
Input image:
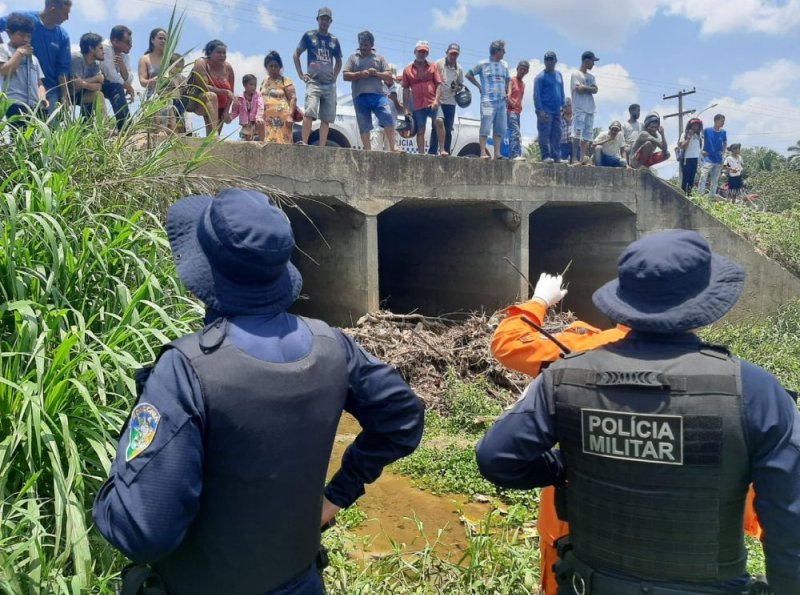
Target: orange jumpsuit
[520, 347]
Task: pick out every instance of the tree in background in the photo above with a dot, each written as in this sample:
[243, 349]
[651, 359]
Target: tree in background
[794, 158]
[777, 189]
[761, 159]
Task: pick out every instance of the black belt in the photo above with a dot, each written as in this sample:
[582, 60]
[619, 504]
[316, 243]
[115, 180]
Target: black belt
[584, 580]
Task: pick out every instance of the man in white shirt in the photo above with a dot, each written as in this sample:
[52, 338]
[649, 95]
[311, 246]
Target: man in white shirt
[116, 68]
[609, 147]
[583, 86]
[452, 80]
[632, 127]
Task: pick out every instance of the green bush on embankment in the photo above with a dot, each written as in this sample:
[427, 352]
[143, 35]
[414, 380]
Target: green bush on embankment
[777, 235]
[88, 293]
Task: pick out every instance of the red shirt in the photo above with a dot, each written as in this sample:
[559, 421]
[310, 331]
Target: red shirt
[517, 91]
[422, 82]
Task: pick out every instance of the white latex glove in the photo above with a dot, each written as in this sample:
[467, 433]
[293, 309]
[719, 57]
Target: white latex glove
[548, 289]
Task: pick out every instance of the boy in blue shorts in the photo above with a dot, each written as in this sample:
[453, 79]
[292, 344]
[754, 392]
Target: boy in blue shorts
[368, 72]
[495, 89]
[583, 88]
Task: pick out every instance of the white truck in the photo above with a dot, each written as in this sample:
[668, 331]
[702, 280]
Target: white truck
[344, 133]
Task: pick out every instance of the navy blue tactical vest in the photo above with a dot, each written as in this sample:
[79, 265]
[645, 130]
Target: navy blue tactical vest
[657, 465]
[268, 437]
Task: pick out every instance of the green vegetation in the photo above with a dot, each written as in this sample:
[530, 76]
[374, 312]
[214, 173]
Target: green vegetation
[776, 234]
[772, 343]
[761, 159]
[778, 189]
[88, 295]
[497, 560]
[794, 157]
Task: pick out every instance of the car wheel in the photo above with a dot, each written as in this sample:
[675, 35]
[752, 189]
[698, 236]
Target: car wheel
[470, 151]
[330, 143]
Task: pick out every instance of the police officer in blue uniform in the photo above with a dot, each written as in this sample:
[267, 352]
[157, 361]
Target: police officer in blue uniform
[660, 435]
[219, 480]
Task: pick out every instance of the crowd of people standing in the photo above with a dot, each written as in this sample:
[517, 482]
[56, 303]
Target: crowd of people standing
[37, 72]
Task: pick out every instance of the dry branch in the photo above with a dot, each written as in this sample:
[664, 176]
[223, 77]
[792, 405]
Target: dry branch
[423, 348]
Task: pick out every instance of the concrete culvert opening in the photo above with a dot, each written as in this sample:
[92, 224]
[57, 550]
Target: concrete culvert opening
[592, 237]
[437, 257]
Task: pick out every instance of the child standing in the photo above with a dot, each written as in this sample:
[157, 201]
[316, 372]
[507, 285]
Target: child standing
[566, 129]
[249, 106]
[21, 75]
[691, 146]
[176, 88]
[733, 165]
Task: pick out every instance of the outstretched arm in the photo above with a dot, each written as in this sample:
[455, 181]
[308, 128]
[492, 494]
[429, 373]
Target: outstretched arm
[519, 346]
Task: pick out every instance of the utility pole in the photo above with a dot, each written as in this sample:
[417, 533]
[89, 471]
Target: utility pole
[680, 113]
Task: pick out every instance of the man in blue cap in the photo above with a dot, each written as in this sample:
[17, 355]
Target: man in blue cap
[219, 479]
[659, 436]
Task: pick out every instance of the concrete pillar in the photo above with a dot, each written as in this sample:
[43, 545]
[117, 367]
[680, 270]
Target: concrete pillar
[337, 253]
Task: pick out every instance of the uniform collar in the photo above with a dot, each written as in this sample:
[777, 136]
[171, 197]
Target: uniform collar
[687, 338]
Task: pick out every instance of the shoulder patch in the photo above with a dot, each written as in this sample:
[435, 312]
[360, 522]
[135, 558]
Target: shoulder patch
[142, 429]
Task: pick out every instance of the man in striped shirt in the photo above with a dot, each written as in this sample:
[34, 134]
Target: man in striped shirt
[495, 89]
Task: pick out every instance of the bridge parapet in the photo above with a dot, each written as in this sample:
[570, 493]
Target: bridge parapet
[431, 234]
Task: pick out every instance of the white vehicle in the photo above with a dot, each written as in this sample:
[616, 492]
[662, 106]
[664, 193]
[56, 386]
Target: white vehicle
[344, 133]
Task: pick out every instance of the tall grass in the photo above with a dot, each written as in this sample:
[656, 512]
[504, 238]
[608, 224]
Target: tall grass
[88, 293]
[776, 234]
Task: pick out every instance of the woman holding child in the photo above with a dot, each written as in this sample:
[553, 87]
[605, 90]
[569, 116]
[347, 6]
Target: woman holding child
[280, 101]
[210, 92]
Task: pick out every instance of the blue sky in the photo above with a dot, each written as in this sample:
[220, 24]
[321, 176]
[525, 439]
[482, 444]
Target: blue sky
[743, 55]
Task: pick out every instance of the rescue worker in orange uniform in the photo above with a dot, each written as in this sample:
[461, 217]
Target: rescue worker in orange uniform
[519, 346]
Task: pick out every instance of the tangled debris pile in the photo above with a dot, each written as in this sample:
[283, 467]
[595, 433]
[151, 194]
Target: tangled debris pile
[422, 349]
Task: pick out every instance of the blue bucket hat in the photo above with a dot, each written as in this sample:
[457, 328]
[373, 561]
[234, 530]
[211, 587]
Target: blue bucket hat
[670, 282]
[232, 251]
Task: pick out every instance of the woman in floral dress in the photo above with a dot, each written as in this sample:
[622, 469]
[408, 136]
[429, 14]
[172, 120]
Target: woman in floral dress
[280, 100]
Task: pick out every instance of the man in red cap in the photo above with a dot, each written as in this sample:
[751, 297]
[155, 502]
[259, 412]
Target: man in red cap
[423, 83]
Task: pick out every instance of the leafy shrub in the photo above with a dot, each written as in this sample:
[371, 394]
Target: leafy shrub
[777, 235]
[467, 403]
[88, 294]
[772, 343]
[778, 189]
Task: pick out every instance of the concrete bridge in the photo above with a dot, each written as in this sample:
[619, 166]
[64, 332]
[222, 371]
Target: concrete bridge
[431, 234]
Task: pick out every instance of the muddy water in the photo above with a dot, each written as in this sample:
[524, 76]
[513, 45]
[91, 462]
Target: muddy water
[392, 503]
